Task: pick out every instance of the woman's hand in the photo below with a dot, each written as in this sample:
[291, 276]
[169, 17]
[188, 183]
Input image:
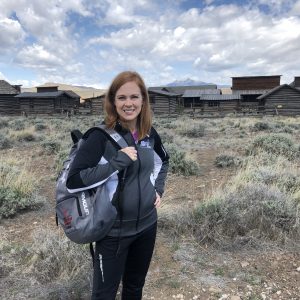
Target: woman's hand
[131, 152]
[157, 201]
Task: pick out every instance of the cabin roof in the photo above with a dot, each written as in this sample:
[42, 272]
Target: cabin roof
[277, 88]
[7, 89]
[226, 97]
[250, 92]
[200, 92]
[56, 94]
[162, 92]
[261, 76]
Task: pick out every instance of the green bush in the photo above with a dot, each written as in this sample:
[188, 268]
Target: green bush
[261, 126]
[226, 160]
[275, 144]
[4, 123]
[178, 164]
[18, 124]
[17, 190]
[5, 142]
[251, 212]
[194, 131]
[50, 147]
[40, 127]
[166, 138]
[48, 266]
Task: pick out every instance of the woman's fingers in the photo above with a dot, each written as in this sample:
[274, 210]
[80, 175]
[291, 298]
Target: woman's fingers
[131, 152]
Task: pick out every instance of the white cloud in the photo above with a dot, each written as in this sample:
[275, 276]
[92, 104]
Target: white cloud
[154, 37]
[36, 56]
[11, 35]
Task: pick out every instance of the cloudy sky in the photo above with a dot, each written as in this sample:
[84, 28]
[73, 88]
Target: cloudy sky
[87, 42]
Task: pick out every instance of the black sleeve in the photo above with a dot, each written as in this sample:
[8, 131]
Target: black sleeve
[161, 163]
[85, 171]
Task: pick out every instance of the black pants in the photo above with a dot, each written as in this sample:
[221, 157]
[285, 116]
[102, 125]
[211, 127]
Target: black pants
[127, 258]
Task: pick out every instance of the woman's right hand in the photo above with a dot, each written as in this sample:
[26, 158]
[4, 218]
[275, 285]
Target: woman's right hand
[131, 152]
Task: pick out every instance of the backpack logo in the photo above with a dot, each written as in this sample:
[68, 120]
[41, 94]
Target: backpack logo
[84, 204]
[67, 218]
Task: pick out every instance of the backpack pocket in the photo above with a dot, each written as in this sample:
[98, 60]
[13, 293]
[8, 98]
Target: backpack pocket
[68, 211]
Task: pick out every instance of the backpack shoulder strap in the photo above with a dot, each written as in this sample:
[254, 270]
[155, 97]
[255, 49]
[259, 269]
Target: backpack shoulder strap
[111, 134]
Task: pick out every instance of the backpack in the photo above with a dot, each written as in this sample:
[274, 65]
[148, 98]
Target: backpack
[88, 215]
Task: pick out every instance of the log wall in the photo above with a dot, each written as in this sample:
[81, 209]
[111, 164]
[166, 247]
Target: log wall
[284, 102]
[9, 105]
[255, 83]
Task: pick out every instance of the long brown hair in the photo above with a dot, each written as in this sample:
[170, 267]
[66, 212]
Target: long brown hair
[144, 120]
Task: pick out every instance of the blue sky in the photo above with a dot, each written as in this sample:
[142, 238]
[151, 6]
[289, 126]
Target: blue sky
[87, 42]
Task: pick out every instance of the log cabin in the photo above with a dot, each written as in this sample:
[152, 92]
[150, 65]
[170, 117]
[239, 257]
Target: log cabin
[281, 100]
[9, 105]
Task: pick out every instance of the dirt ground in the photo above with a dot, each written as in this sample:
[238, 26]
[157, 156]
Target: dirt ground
[181, 269]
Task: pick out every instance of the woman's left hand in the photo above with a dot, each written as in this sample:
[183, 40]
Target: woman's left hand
[157, 201]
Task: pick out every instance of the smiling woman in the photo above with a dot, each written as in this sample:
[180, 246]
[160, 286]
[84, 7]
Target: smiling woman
[135, 178]
[128, 102]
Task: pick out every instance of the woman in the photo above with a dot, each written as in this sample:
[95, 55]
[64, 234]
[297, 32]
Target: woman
[127, 249]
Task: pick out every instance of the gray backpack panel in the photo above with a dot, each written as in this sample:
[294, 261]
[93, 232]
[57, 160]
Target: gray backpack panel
[85, 216]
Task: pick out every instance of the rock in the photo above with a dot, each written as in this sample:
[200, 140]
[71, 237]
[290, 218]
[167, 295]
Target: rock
[244, 264]
[214, 290]
[298, 269]
[235, 298]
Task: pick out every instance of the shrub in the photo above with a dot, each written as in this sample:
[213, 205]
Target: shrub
[48, 267]
[194, 131]
[17, 124]
[250, 212]
[50, 147]
[261, 126]
[17, 190]
[53, 256]
[5, 142]
[61, 156]
[178, 164]
[227, 160]
[40, 127]
[26, 135]
[274, 144]
[284, 180]
[166, 138]
[3, 123]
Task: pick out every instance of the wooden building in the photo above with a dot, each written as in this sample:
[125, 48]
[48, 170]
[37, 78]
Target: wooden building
[250, 88]
[52, 102]
[282, 100]
[94, 104]
[296, 82]
[192, 98]
[221, 104]
[163, 102]
[9, 105]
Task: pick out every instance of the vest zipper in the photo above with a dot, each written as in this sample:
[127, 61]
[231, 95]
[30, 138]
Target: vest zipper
[139, 186]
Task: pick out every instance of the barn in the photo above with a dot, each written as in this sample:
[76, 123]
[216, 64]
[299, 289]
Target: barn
[281, 100]
[9, 105]
[48, 102]
[250, 88]
[163, 102]
[95, 105]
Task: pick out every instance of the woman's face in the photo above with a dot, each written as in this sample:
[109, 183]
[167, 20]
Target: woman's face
[128, 102]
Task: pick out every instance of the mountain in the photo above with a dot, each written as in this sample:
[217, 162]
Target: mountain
[83, 91]
[188, 82]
